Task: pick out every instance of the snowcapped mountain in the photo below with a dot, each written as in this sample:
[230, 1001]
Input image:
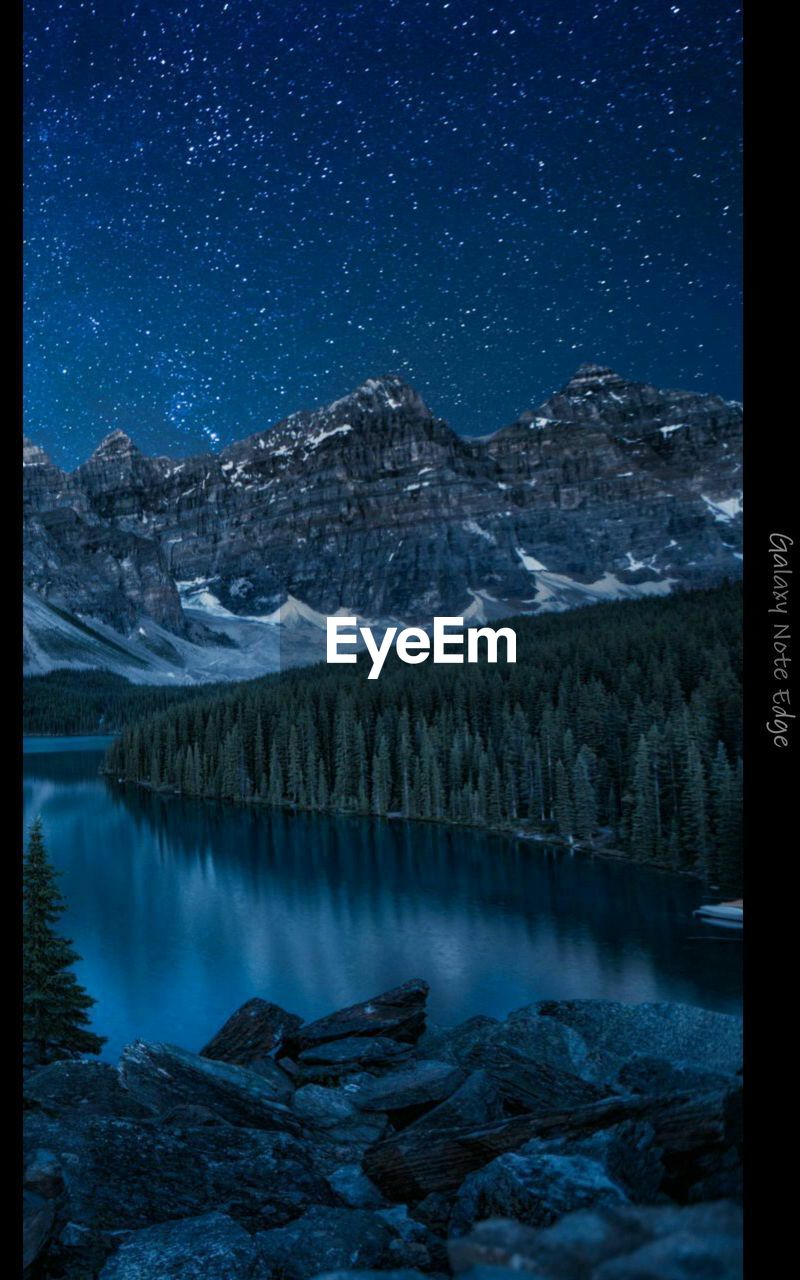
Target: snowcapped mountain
[372, 505]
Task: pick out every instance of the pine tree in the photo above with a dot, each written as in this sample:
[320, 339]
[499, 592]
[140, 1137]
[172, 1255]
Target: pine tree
[381, 775]
[55, 1005]
[726, 813]
[643, 827]
[565, 814]
[694, 826]
[585, 797]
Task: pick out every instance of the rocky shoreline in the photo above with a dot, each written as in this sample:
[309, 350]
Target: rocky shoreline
[574, 1140]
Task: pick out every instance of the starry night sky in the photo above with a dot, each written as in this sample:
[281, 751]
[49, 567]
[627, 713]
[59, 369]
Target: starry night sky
[235, 210]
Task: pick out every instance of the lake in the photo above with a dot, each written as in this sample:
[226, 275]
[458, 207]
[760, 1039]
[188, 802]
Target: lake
[183, 909]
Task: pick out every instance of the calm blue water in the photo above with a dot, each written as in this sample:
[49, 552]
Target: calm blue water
[183, 909]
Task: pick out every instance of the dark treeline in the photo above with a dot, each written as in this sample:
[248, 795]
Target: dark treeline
[86, 702]
[619, 725]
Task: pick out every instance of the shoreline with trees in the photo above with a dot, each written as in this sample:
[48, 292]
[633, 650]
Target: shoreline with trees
[619, 730]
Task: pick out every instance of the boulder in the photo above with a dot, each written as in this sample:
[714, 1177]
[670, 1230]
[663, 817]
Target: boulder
[681, 1255]
[701, 1138]
[528, 1084]
[74, 1236]
[409, 1229]
[614, 1032]
[416, 1245]
[540, 1039]
[43, 1174]
[255, 1031]
[94, 1087]
[628, 1153]
[422, 1158]
[451, 1044]
[477, 1101]
[333, 1113]
[536, 1061]
[38, 1221]
[329, 1062]
[162, 1077]
[627, 1242]
[354, 1188]
[188, 1116]
[280, 1078]
[209, 1247]
[715, 1176]
[434, 1211]
[397, 1015]
[421, 1084]
[324, 1239]
[36, 1055]
[644, 1073]
[121, 1175]
[534, 1186]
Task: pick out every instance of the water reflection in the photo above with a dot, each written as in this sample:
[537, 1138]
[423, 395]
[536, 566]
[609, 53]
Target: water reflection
[182, 909]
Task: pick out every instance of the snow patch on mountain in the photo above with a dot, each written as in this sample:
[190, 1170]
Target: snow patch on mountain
[556, 591]
[472, 526]
[530, 562]
[313, 441]
[724, 509]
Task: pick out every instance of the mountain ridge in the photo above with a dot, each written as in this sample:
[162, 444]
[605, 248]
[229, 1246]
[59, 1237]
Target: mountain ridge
[373, 504]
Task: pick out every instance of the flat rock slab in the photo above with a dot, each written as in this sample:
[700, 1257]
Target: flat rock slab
[280, 1080]
[398, 1014]
[420, 1084]
[529, 1084]
[209, 1247]
[164, 1077]
[256, 1030]
[327, 1063]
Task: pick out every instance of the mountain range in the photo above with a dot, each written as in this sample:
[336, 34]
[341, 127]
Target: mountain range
[226, 565]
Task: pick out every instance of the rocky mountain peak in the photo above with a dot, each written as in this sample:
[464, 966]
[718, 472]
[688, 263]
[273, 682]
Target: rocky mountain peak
[388, 393]
[591, 378]
[375, 401]
[33, 455]
[115, 445]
